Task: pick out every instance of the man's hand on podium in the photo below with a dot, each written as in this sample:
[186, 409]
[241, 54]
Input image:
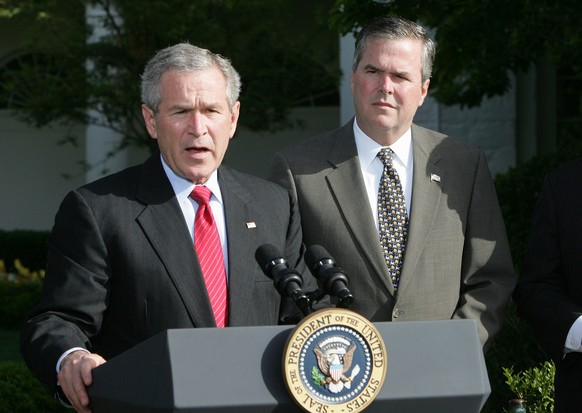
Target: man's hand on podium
[75, 375]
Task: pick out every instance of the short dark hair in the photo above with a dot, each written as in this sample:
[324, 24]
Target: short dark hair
[394, 28]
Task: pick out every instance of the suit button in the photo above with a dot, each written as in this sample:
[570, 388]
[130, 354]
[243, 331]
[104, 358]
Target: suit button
[396, 313]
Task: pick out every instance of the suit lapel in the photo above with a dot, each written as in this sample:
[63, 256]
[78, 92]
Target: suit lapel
[347, 187]
[428, 177]
[238, 211]
[163, 223]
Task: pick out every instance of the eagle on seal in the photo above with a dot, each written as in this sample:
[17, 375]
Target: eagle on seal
[334, 363]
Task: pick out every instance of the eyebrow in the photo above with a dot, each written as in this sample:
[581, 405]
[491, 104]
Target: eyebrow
[180, 107]
[189, 106]
[369, 66]
[397, 73]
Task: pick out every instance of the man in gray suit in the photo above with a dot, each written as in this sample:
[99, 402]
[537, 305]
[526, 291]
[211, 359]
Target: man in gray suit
[452, 240]
[122, 265]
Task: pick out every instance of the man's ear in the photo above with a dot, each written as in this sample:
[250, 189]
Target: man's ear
[234, 114]
[424, 92]
[149, 118]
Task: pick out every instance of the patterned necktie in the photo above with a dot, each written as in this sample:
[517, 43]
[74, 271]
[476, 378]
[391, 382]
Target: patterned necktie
[392, 217]
[209, 251]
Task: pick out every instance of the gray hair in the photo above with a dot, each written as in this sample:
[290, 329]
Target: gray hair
[186, 57]
[396, 28]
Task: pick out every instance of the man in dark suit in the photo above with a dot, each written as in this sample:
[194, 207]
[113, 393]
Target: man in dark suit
[549, 289]
[122, 265]
[448, 257]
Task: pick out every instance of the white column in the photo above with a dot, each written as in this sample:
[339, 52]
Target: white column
[100, 141]
[347, 47]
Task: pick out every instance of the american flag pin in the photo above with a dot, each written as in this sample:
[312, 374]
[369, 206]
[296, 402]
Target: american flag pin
[251, 224]
[435, 178]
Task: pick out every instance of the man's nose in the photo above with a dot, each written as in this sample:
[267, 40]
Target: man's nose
[386, 85]
[197, 123]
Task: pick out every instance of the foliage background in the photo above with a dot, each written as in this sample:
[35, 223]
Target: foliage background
[480, 45]
[87, 70]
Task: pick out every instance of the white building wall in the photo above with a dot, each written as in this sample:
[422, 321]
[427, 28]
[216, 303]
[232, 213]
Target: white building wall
[33, 164]
[252, 152]
[490, 127]
[34, 169]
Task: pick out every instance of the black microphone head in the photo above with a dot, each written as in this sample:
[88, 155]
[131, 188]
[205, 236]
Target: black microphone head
[288, 282]
[265, 256]
[314, 256]
[329, 276]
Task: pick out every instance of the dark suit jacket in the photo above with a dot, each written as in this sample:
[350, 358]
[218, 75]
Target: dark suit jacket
[549, 290]
[457, 262]
[122, 266]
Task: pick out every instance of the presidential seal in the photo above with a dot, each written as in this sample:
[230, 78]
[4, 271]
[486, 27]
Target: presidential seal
[334, 361]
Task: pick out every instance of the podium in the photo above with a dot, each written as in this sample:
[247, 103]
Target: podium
[433, 367]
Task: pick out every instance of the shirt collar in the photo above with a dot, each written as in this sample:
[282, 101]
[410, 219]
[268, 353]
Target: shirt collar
[369, 148]
[183, 187]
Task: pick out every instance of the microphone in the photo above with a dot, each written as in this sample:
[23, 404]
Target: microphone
[287, 280]
[331, 277]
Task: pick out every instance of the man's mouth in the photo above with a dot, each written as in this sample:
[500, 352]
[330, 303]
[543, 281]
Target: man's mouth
[385, 104]
[197, 151]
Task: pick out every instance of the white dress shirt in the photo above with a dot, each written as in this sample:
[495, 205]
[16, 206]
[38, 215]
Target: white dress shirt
[183, 188]
[574, 338]
[372, 167]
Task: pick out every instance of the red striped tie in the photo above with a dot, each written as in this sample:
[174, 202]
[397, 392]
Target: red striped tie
[209, 251]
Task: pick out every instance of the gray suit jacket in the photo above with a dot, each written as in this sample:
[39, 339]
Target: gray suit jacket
[122, 266]
[457, 262]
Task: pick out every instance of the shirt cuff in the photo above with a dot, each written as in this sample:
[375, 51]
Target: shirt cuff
[66, 353]
[574, 337]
